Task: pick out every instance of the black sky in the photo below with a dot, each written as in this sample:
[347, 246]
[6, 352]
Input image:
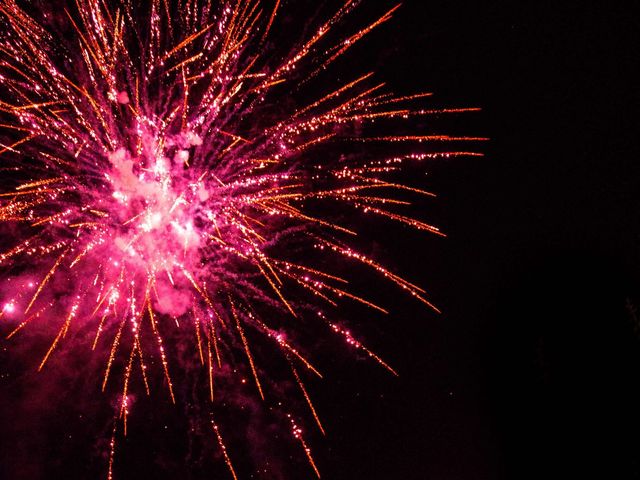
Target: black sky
[533, 369]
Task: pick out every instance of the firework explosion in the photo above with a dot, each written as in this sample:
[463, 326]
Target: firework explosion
[160, 175]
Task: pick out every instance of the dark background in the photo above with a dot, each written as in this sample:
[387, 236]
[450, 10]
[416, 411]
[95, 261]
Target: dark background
[533, 369]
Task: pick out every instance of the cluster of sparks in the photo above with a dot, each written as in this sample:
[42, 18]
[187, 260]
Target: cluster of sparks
[155, 178]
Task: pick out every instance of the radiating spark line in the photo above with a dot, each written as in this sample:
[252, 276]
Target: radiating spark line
[39, 183]
[210, 369]
[297, 433]
[212, 336]
[223, 448]
[245, 343]
[24, 323]
[61, 333]
[112, 451]
[112, 354]
[44, 281]
[124, 405]
[163, 356]
[420, 139]
[199, 340]
[308, 399]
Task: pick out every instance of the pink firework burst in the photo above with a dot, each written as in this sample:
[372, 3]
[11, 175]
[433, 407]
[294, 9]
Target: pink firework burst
[164, 171]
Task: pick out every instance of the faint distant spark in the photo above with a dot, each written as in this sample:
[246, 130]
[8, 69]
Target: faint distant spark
[160, 173]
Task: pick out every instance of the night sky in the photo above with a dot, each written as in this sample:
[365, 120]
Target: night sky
[533, 368]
